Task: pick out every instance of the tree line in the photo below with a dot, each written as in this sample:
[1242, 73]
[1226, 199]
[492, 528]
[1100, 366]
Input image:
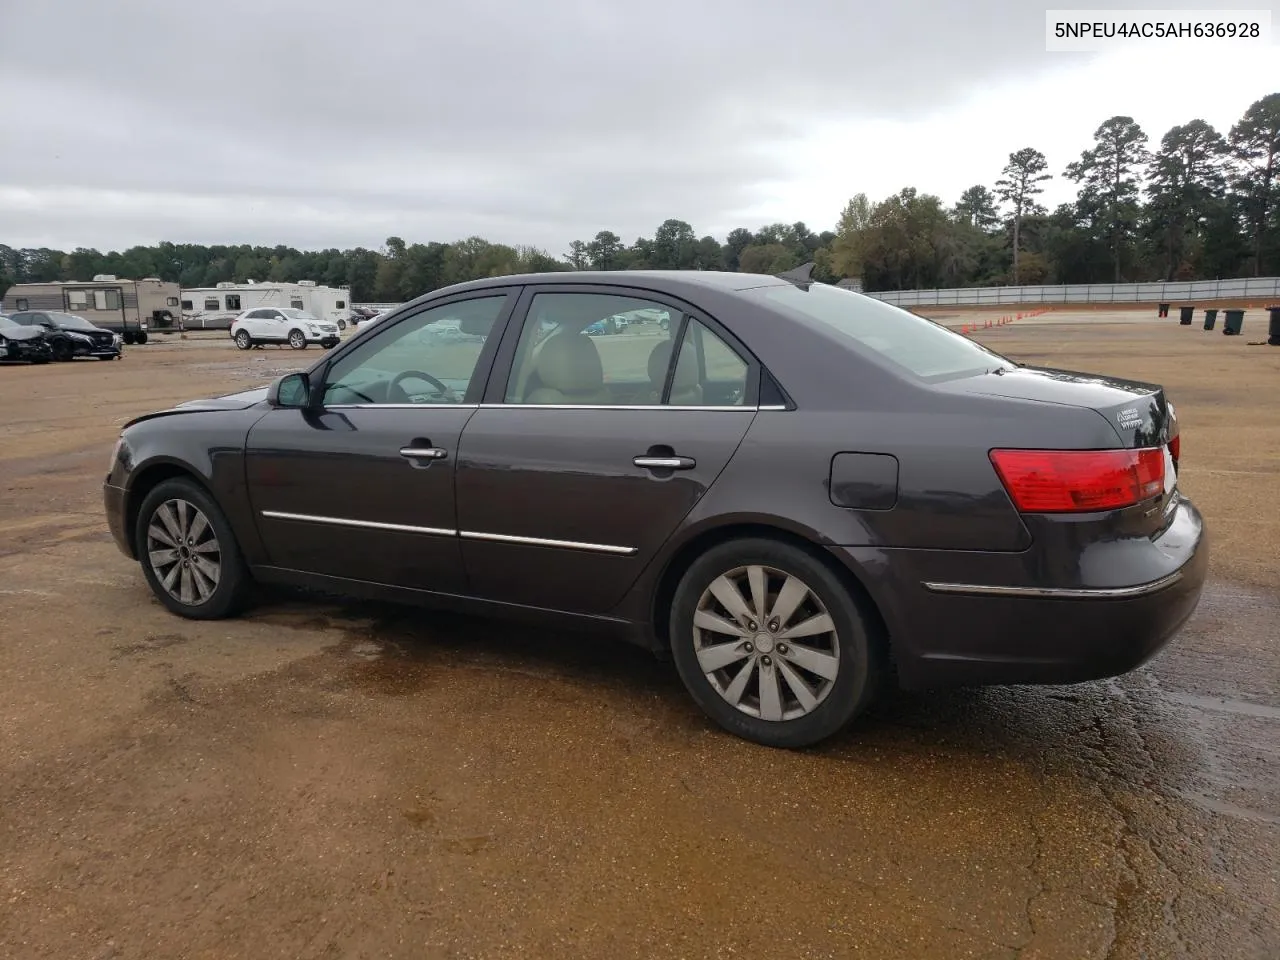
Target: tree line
[1200, 204]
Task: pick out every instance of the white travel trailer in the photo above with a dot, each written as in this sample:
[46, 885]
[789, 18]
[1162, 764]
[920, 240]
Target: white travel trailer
[214, 308]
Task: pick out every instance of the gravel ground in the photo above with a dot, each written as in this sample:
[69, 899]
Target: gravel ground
[324, 780]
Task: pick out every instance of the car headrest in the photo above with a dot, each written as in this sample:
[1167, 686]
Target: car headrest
[570, 363]
[686, 372]
[475, 323]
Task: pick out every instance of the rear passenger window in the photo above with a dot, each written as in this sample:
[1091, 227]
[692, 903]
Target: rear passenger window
[709, 372]
[592, 349]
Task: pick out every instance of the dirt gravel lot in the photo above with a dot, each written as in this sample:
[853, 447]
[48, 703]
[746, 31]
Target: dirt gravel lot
[324, 780]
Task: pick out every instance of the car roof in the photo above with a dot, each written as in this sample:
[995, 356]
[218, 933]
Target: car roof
[672, 281]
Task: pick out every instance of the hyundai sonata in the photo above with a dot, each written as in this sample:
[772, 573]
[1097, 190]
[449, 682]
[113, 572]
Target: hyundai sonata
[796, 491]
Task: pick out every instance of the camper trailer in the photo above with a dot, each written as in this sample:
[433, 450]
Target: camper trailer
[130, 308]
[332, 304]
[215, 308]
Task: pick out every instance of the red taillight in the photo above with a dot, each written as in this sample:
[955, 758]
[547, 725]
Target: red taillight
[1077, 481]
[1175, 448]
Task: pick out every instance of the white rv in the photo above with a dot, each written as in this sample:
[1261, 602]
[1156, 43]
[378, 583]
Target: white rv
[214, 308]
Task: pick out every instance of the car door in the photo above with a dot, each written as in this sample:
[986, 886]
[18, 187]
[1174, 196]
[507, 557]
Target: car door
[362, 487]
[590, 450]
[252, 322]
[271, 325]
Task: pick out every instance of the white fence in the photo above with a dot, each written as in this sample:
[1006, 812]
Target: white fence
[1259, 288]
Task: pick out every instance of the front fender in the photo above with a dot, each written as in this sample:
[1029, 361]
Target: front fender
[205, 445]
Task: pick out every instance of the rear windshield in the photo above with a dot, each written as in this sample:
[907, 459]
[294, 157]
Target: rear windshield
[919, 346]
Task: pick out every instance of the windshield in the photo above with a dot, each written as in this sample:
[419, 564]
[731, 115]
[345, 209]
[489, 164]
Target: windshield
[295, 314]
[922, 347]
[71, 321]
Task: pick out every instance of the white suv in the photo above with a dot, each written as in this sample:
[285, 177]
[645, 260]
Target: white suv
[288, 325]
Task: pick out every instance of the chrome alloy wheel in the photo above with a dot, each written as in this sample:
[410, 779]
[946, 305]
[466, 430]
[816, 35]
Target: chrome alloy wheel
[766, 643]
[183, 550]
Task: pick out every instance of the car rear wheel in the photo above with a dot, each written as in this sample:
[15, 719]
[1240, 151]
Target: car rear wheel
[771, 645]
[243, 340]
[128, 338]
[140, 337]
[297, 340]
[188, 553]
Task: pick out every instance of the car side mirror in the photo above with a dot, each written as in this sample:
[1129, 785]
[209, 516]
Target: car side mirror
[293, 390]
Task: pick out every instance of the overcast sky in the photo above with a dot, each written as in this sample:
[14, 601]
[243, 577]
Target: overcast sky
[337, 124]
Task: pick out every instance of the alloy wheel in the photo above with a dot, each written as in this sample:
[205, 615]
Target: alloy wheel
[766, 643]
[183, 550]
[243, 341]
[297, 340]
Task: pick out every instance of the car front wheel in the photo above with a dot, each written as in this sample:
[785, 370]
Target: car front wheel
[771, 645]
[189, 553]
[297, 340]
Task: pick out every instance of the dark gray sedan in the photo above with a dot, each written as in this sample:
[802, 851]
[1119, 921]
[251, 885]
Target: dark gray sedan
[798, 492]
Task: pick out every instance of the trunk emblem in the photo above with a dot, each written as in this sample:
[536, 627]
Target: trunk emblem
[1129, 418]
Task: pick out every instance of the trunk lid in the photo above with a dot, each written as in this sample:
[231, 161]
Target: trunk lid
[1138, 412]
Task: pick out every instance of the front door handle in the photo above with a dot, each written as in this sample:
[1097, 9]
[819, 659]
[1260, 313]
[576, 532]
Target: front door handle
[665, 463]
[423, 453]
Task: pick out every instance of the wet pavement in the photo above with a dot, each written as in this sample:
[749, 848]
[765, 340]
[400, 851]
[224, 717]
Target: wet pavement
[328, 779]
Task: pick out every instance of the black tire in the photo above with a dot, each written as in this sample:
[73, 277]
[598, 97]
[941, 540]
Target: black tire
[243, 340]
[859, 656]
[61, 351]
[342, 324]
[129, 338]
[297, 340]
[233, 583]
[140, 337]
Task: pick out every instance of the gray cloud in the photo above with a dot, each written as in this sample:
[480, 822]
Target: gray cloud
[332, 124]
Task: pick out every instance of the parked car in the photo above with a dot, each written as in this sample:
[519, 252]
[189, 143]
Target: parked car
[23, 343]
[71, 336]
[288, 325]
[800, 494]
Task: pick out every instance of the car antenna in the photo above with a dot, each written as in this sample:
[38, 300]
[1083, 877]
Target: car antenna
[799, 276]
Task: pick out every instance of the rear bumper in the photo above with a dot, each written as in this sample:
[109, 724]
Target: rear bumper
[114, 499]
[952, 628]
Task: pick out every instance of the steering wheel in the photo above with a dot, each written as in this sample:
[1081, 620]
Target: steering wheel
[444, 391]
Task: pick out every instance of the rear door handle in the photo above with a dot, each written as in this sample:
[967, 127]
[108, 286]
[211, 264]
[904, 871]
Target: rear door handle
[423, 453]
[665, 463]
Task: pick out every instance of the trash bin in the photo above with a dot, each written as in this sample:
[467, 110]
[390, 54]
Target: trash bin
[1233, 322]
[1164, 310]
[1185, 315]
[1273, 328]
[1210, 318]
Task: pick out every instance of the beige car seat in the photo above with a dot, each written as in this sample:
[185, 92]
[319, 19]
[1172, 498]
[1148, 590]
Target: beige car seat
[686, 391]
[569, 371]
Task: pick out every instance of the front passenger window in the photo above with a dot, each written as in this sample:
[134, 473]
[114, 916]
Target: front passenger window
[428, 358]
